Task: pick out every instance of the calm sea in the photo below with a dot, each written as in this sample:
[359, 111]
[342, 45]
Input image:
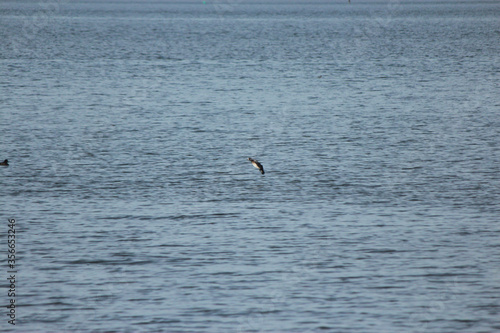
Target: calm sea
[128, 125]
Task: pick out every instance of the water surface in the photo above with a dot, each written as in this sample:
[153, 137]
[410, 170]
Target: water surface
[128, 127]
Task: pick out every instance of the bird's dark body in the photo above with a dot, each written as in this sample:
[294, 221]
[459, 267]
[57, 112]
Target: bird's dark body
[257, 165]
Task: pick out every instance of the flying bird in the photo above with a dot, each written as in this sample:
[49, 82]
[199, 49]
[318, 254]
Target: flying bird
[257, 165]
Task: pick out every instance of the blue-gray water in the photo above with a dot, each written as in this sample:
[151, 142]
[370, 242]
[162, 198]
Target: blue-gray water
[128, 126]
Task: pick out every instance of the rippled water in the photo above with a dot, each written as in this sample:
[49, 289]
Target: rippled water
[128, 126]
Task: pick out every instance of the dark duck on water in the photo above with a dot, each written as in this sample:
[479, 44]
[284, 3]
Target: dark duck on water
[257, 165]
